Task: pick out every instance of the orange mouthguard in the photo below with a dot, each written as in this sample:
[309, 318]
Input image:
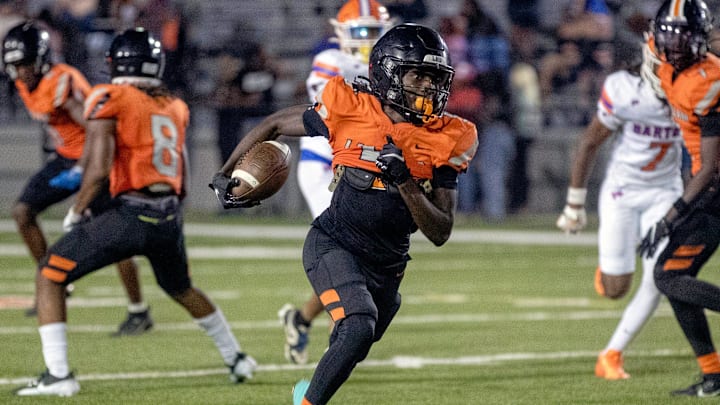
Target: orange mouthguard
[425, 105]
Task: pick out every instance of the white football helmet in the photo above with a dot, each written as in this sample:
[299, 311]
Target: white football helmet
[650, 64]
[358, 25]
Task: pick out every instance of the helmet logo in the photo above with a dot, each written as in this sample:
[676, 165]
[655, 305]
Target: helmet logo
[429, 58]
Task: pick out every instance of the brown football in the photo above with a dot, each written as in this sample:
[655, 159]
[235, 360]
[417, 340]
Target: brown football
[262, 171]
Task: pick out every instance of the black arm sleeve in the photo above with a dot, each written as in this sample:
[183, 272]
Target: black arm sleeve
[444, 177]
[314, 125]
[710, 124]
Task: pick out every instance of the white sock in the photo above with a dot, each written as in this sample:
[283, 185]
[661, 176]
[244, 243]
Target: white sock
[638, 311]
[217, 328]
[136, 308]
[54, 346]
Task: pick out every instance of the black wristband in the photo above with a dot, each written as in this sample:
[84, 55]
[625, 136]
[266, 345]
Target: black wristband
[681, 206]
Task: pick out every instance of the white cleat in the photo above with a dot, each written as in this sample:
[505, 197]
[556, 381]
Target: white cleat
[243, 368]
[297, 336]
[48, 384]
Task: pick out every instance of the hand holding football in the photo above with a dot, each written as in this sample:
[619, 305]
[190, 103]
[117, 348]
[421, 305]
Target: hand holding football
[262, 171]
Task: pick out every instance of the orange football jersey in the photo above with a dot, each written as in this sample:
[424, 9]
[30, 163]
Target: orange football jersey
[359, 128]
[149, 139]
[45, 102]
[693, 93]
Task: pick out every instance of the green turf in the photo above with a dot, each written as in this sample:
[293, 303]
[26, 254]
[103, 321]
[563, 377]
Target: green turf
[480, 324]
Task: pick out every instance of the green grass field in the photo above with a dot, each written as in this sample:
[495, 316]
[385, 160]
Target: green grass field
[499, 315]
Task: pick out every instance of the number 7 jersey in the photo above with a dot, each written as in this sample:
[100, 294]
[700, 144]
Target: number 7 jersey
[647, 149]
[149, 135]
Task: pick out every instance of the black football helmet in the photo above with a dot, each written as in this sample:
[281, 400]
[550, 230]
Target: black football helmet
[136, 57]
[26, 44]
[681, 29]
[401, 49]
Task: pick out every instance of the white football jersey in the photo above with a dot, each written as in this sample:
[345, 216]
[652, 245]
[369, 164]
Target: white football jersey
[327, 64]
[647, 147]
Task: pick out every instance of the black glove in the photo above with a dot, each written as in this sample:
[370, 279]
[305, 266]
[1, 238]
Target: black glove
[221, 185]
[392, 163]
[658, 232]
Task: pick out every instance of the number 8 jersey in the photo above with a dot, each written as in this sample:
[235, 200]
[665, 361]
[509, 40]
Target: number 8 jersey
[149, 135]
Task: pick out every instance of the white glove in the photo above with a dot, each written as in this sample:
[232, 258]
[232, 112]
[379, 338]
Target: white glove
[572, 219]
[71, 219]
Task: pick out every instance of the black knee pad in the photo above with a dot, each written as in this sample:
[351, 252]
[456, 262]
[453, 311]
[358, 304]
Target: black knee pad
[356, 333]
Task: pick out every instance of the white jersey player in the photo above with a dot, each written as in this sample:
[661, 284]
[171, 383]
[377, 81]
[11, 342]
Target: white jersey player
[314, 171]
[641, 182]
[358, 25]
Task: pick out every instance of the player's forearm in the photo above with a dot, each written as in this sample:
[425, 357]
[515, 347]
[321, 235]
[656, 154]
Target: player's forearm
[434, 221]
[287, 121]
[588, 149]
[580, 173]
[90, 189]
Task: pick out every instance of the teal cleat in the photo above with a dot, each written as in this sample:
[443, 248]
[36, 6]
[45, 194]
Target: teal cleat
[299, 391]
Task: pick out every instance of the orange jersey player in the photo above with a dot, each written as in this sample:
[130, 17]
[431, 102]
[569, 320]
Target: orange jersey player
[425, 147]
[396, 158]
[136, 135]
[152, 137]
[60, 83]
[54, 94]
[692, 94]
[687, 236]
[357, 25]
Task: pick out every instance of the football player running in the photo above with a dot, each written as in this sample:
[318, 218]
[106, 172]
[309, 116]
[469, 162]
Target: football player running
[687, 235]
[54, 94]
[136, 134]
[396, 158]
[641, 182]
[359, 23]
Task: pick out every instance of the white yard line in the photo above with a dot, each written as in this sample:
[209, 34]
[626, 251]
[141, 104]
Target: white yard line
[398, 362]
[663, 311]
[298, 232]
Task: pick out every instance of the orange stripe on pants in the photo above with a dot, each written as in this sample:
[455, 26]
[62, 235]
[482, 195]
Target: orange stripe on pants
[337, 314]
[53, 275]
[62, 263]
[329, 296]
[677, 264]
[687, 250]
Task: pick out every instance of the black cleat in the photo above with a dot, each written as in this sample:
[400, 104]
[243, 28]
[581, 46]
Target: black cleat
[708, 387]
[135, 324]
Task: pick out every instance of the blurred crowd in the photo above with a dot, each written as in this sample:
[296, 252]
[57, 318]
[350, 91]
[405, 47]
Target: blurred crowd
[522, 66]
